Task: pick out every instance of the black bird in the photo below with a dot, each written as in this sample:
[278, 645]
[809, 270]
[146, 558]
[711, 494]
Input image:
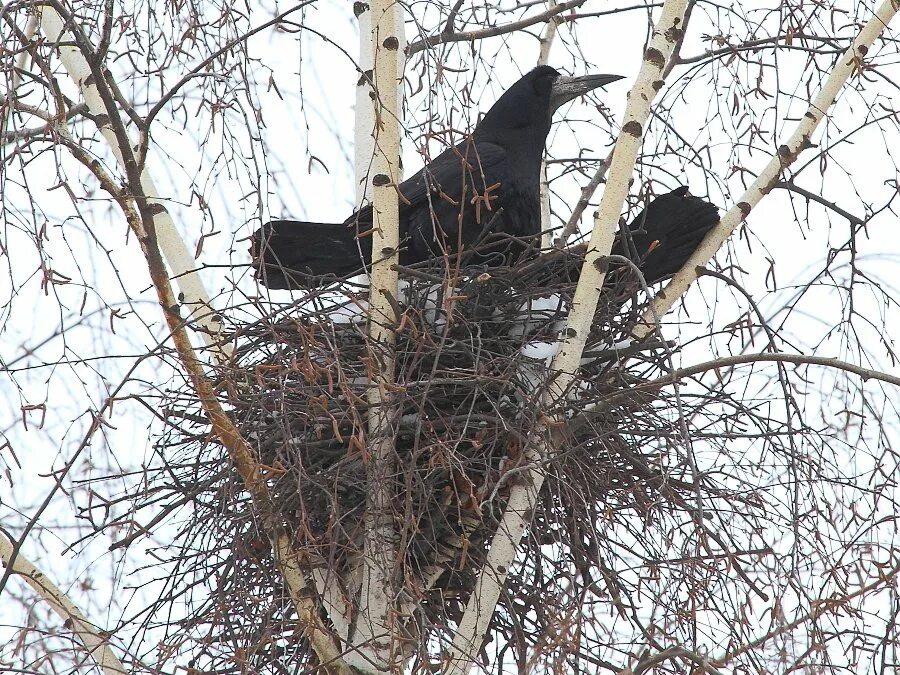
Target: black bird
[659, 240]
[486, 188]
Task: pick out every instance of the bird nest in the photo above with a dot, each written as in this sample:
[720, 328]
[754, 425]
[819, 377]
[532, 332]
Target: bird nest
[471, 356]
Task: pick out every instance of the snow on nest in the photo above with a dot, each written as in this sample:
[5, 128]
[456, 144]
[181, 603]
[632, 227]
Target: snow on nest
[431, 299]
[535, 313]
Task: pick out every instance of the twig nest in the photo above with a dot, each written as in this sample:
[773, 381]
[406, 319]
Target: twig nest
[471, 365]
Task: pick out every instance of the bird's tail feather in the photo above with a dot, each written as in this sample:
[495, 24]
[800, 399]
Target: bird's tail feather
[298, 254]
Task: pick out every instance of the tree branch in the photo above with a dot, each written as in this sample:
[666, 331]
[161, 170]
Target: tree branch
[94, 639]
[851, 62]
[755, 45]
[180, 260]
[50, 123]
[588, 190]
[543, 59]
[649, 661]
[161, 103]
[471, 36]
[523, 495]
[583, 200]
[775, 357]
[819, 608]
[742, 359]
[819, 199]
[156, 232]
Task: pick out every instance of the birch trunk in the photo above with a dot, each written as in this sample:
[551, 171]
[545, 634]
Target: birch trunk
[166, 241]
[523, 495]
[375, 644]
[849, 63]
[94, 639]
[543, 59]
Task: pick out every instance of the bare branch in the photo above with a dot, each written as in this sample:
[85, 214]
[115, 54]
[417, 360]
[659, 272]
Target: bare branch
[851, 62]
[755, 45]
[164, 235]
[322, 640]
[885, 578]
[203, 65]
[600, 173]
[775, 357]
[667, 34]
[543, 59]
[180, 259]
[648, 661]
[575, 16]
[584, 199]
[44, 129]
[471, 36]
[94, 639]
[819, 199]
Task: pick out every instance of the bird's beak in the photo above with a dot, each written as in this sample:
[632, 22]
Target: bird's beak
[566, 88]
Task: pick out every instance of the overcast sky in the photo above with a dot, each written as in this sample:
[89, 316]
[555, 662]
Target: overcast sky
[296, 159]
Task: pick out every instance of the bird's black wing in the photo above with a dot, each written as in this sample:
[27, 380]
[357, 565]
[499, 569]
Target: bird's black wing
[666, 233]
[659, 241]
[301, 254]
[442, 179]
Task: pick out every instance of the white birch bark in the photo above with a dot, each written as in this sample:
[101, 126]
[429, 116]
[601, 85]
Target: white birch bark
[93, 638]
[523, 495]
[546, 234]
[543, 59]
[181, 262]
[363, 136]
[336, 604]
[375, 648]
[322, 641]
[784, 156]
[666, 35]
[16, 79]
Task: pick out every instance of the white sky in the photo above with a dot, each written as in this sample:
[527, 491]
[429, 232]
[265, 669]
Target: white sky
[305, 127]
